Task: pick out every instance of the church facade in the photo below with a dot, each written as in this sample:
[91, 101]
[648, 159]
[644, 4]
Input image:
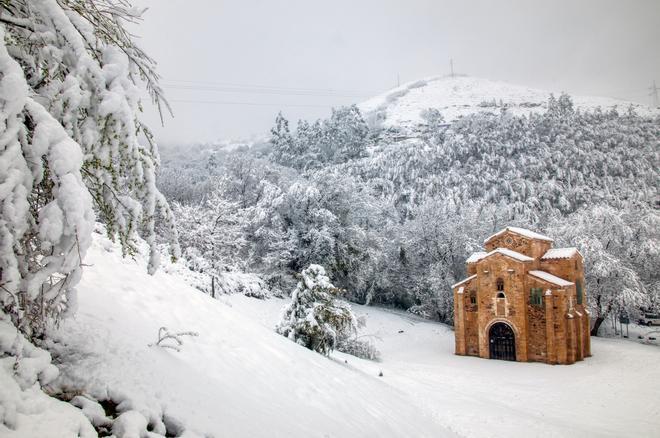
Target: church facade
[523, 300]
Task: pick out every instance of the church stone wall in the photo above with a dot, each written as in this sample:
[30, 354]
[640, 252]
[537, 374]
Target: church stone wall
[554, 330]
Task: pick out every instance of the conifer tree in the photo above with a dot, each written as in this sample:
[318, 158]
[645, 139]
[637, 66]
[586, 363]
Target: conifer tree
[282, 141]
[316, 318]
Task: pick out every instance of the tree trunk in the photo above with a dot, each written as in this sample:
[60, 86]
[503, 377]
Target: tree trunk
[597, 323]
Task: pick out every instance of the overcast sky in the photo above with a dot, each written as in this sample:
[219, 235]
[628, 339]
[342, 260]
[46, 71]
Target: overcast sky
[228, 67]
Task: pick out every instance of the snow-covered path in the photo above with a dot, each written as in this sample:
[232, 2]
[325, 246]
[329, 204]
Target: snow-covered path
[615, 393]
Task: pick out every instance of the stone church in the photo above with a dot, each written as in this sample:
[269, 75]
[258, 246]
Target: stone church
[523, 300]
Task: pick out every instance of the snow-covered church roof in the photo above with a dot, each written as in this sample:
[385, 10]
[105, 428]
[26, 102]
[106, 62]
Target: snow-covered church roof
[504, 251]
[560, 253]
[475, 257]
[465, 280]
[521, 231]
[546, 276]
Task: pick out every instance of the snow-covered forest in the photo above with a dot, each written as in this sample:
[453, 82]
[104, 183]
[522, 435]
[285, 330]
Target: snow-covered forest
[393, 215]
[204, 289]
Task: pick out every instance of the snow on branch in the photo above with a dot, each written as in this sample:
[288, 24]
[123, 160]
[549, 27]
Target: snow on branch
[173, 341]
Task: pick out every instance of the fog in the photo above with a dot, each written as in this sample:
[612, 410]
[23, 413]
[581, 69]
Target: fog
[228, 67]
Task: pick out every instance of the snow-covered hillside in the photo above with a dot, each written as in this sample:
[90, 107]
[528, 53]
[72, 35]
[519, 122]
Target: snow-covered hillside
[461, 95]
[236, 379]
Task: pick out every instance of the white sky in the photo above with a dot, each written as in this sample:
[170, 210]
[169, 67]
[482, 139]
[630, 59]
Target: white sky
[217, 57]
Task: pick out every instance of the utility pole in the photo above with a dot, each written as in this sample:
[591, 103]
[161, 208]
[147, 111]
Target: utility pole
[654, 95]
[451, 66]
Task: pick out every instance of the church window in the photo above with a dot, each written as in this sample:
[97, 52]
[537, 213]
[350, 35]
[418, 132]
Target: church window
[500, 295]
[578, 291]
[473, 298]
[536, 296]
[500, 284]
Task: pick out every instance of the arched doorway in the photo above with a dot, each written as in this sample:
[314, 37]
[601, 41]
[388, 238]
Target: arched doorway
[502, 342]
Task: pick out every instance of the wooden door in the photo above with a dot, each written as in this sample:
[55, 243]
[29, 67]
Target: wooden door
[502, 342]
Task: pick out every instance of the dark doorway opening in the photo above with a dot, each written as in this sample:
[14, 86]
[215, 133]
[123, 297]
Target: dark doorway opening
[502, 342]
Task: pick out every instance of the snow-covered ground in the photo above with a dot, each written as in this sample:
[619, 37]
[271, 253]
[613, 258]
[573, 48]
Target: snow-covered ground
[463, 95]
[614, 393]
[238, 378]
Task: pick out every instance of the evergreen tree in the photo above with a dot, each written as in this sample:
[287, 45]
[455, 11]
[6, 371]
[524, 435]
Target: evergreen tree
[282, 142]
[316, 318]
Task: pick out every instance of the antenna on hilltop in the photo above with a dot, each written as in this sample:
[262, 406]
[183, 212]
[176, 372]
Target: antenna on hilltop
[654, 95]
[451, 66]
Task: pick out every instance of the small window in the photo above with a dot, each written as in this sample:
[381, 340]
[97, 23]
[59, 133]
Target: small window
[578, 291]
[473, 299]
[500, 295]
[500, 284]
[536, 296]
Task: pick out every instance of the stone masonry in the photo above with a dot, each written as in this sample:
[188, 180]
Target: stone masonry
[523, 300]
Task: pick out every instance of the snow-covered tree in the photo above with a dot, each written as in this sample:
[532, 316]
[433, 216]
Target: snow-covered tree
[606, 239]
[394, 226]
[284, 150]
[211, 233]
[344, 135]
[70, 77]
[316, 318]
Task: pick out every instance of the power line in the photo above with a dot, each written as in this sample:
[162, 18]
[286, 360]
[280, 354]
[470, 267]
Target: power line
[247, 90]
[224, 102]
[179, 82]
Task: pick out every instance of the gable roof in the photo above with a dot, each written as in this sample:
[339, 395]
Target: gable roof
[509, 253]
[476, 256]
[546, 276]
[560, 253]
[465, 280]
[521, 231]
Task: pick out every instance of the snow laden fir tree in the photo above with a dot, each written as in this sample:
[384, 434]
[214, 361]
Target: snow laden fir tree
[316, 318]
[72, 149]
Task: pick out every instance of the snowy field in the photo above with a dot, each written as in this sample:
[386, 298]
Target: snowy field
[240, 379]
[615, 393]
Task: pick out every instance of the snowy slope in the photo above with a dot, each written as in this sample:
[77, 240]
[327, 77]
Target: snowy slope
[237, 379]
[615, 393]
[462, 95]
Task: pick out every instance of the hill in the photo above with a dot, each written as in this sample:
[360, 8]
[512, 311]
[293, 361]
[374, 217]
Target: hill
[458, 96]
[392, 209]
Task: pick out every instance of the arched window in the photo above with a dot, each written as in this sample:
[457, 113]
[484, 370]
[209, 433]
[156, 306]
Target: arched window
[578, 291]
[500, 295]
[500, 285]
